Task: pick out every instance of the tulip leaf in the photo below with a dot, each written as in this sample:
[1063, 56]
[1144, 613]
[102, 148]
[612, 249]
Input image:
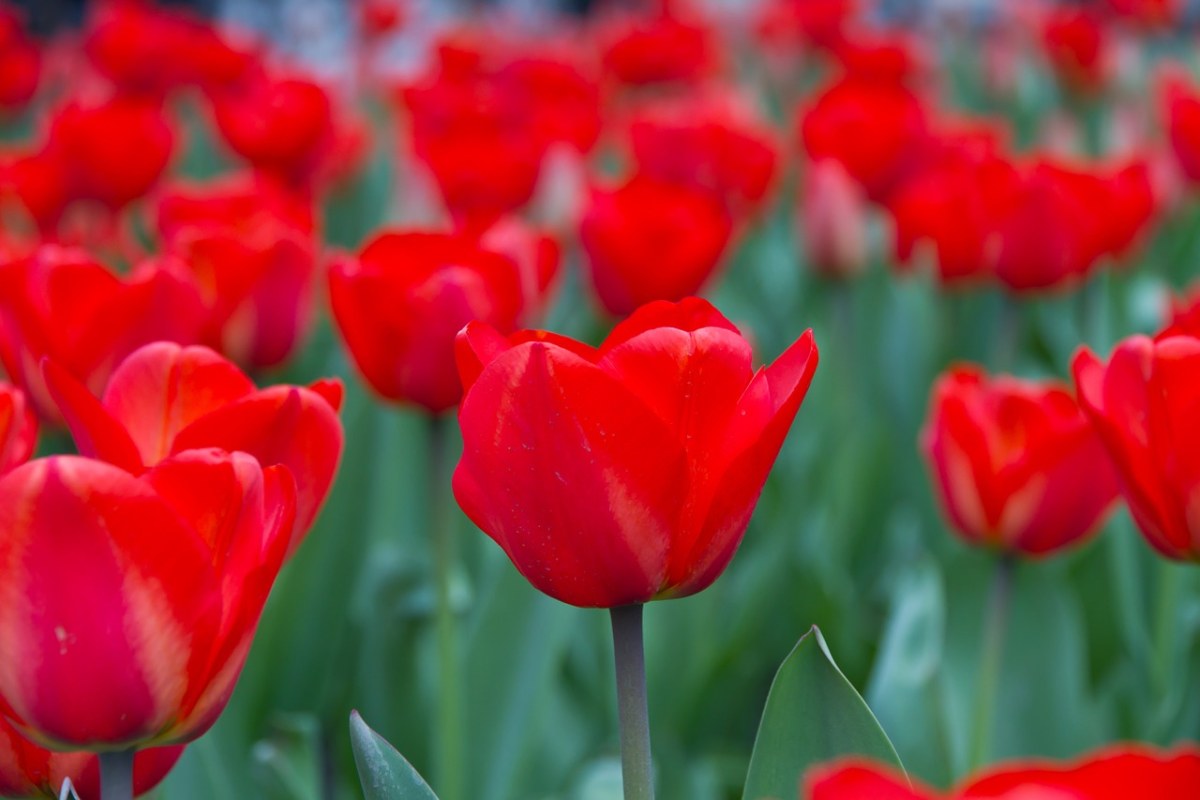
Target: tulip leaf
[384, 773]
[813, 714]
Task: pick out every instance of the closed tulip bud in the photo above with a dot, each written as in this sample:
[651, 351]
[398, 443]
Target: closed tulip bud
[164, 400]
[130, 602]
[1142, 404]
[402, 300]
[18, 428]
[626, 473]
[1015, 464]
[833, 221]
[30, 771]
[651, 240]
[1180, 104]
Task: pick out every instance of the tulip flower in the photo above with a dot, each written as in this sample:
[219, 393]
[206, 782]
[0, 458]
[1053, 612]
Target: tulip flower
[20, 62]
[626, 473]
[130, 602]
[115, 151]
[650, 240]
[1180, 103]
[401, 301]
[1142, 404]
[1077, 47]
[164, 400]
[875, 128]
[833, 221]
[660, 48]
[29, 771]
[711, 141]
[59, 303]
[1117, 772]
[282, 125]
[251, 248]
[18, 428]
[1016, 466]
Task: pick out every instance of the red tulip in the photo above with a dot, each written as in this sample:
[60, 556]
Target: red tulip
[20, 62]
[164, 400]
[130, 602]
[1184, 315]
[401, 301]
[378, 18]
[29, 771]
[281, 125]
[948, 212]
[1143, 405]
[1077, 47]
[712, 141]
[18, 428]
[876, 129]
[58, 303]
[626, 473]
[833, 219]
[561, 97]
[1181, 111]
[650, 240]
[42, 186]
[536, 254]
[115, 151]
[661, 48]
[1148, 13]
[147, 49]
[252, 250]
[1119, 772]
[1015, 464]
[798, 22]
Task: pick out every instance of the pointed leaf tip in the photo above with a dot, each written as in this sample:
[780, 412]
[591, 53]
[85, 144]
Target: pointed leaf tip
[383, 772]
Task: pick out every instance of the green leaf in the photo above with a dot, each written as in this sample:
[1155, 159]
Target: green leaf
[384, 773]
[813, 715]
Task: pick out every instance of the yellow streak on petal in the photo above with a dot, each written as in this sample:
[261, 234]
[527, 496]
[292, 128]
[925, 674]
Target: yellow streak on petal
[161, 642]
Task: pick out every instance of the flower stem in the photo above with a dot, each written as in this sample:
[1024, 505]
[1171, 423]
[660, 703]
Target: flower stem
[999, 600]
[116, 775]
[1170, 585]
[448, 745]
[632, 710]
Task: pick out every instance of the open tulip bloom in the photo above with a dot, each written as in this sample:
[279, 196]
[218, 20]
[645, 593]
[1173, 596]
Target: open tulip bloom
[617, 475]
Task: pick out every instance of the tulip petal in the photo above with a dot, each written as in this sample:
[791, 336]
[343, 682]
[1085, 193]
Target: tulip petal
[855, 780]
[107, 595]
[764, 416]
[96, 433]
[542, 422]
[286, 425]
[162, 388]
[689, 314]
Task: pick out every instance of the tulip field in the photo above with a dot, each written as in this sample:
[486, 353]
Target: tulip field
[780, 400]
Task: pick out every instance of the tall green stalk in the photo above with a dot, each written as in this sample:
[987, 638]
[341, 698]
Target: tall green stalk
[632, 709]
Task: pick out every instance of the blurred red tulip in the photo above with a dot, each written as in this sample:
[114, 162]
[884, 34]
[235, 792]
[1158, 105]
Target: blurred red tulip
[1076, 45]
[1143, 403]
[536, 255]
[164, 400]
[1118, 772]
[876, 129]
[40, 184]
[627, 473]
[1149, 13]
[709, 140]
[1180, 100]
[658, 48]
[20, 62]
[947, 212]
[651, 240]
[114, 151]
[1184, 314]
[378, 18]
[561, 98]
[400, 302]
[793, 22]
[144, 48]
[1016, 466]
[18, 428]
[29, 771]
[59, 303]
[282, 125]
[251, 247]
[833, 220]
[104, 563]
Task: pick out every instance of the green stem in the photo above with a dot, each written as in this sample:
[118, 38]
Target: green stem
[116, 775]
[632, 710]
[999, 600]
[449, 751]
